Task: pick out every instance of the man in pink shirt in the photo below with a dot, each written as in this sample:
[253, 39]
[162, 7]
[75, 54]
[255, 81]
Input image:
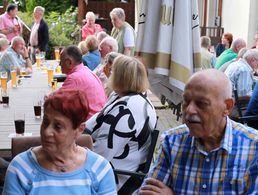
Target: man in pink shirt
[81, 77]
[9, 23]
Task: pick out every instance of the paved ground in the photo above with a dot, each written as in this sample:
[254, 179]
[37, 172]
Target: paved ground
[167, 119]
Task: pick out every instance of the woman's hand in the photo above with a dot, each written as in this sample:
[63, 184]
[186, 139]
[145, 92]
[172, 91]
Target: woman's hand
[155, 187]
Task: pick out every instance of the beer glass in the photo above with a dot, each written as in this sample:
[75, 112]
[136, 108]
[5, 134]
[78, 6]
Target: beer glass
[23, 71]
[54, 84]
[13, 78]
[50, 74]
[57, 54]
[38, 57]
[4, 81]
[19, 122]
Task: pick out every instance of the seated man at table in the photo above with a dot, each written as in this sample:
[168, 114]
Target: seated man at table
[240, 72]
[209, 154]
[15, 57]
[81, 77]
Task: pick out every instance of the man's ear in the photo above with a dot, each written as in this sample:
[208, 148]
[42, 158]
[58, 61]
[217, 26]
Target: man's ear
[229, 106]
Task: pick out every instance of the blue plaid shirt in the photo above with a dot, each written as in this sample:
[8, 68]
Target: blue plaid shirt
[241, 77]
[187, 168]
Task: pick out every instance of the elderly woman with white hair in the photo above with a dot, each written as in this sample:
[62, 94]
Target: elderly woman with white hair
[122, 32]
[90, 28]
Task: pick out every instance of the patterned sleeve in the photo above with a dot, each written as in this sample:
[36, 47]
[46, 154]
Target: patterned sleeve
[112, 131]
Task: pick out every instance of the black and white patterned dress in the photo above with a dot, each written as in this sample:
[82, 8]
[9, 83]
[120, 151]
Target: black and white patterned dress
[122, 131]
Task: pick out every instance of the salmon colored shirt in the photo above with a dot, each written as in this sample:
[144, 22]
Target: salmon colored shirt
[81, 77]
[86, 30]
[6, 22]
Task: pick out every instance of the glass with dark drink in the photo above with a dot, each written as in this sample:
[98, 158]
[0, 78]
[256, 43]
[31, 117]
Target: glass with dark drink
[19, 127]
[19, 122]
[37, 111]
[5, 100]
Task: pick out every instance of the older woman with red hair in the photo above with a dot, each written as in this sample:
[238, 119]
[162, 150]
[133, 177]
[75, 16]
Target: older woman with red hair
[59, 166]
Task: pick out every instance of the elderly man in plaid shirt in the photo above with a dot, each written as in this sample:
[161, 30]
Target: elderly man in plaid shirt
[209, 154]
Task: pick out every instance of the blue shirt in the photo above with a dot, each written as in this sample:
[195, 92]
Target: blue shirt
[25, 176]
[240, 75]
[92, 59]
[10, 59]
[185, 166]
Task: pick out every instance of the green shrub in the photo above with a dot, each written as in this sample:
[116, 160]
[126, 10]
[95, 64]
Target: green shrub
[59, 6]
[63, 28]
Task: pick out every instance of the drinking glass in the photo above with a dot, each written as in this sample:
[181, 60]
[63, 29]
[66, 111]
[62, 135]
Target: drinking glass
[38, 57]
[4, 81]
[50, 74]
[57, 54]
[5, 98]
[19, 122]
[37, 108]
[23, 71]
[54, 84]
[13, 77]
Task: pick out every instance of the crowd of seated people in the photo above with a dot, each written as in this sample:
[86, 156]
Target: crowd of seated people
[239, 63]
[105, 94]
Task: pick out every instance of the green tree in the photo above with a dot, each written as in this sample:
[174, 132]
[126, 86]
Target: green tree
[59, 6]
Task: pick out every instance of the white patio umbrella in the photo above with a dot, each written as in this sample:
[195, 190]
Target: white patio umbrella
[168, 40]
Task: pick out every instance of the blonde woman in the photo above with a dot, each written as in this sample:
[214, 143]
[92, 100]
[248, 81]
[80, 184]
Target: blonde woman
[122, 129]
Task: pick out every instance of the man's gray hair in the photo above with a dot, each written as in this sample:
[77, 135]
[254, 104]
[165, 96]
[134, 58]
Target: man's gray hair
[119, 12]
[39, 8]
[111, 42]
[205, 41]
[251, 54]
[238, 44]
[3, 42]
[17, 39]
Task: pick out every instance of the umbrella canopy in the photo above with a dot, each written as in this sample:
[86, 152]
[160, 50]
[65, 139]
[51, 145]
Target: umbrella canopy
[168, 40]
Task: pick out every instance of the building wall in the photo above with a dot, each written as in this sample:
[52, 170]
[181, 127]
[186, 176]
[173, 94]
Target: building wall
[237, 18]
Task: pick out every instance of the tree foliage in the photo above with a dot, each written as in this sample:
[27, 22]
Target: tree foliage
[59, 6]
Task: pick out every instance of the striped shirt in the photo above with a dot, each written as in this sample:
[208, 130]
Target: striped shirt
[187, 168]
[240, 75]
[11, 58]
[25, 176]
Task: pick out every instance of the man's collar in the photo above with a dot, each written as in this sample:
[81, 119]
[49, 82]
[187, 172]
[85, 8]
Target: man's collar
[7, 15]
[75, 67]
[226, 142]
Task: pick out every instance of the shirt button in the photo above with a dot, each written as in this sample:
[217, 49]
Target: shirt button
[207, 160]
[204, 186]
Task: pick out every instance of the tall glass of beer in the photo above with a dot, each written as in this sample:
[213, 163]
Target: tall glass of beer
[50, 74]
[4, 81]
[38, 61]
[13, 77]
[57, 54]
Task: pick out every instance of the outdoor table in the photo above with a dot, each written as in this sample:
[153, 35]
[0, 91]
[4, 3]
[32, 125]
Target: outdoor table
[21, 99]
